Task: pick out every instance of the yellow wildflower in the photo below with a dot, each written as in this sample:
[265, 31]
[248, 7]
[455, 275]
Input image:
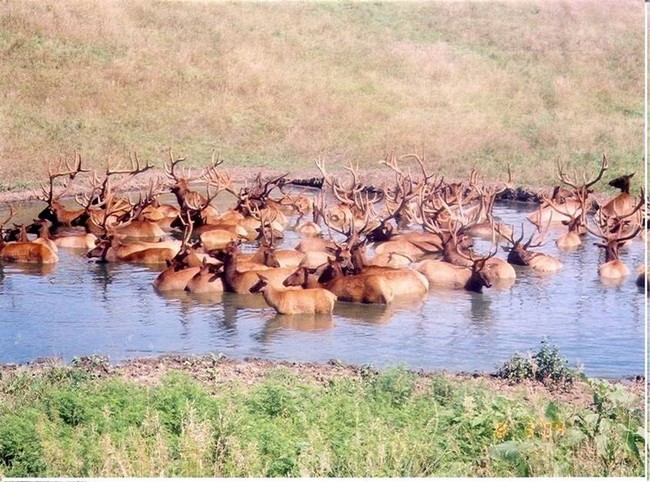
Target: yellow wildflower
[500, 430]
[530, 430]
[560, 428]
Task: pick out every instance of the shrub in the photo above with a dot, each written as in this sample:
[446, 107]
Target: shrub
[546, 366]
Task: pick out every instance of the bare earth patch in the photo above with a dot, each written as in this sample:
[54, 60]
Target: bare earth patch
[220, 371]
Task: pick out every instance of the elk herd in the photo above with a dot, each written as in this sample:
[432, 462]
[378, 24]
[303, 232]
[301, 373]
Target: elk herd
[358, 243]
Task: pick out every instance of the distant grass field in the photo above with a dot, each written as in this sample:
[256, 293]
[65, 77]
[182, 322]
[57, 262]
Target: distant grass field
[276, 84]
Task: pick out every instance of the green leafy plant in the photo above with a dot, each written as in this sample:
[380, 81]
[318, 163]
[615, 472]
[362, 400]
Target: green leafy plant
[546, 366]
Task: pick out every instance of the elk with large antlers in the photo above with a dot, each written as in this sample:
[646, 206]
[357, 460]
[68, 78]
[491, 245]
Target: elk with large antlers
[614, 235]
[55, 212]
[471, 276]
[571, 206]
[518, 253]
[613, 267]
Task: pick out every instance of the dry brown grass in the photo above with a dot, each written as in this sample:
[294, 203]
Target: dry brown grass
[470, 83]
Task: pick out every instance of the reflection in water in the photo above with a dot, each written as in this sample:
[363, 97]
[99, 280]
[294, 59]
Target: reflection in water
[480, 309]
[308, 323]
[112, 309]
[366, 314]
[30, 269]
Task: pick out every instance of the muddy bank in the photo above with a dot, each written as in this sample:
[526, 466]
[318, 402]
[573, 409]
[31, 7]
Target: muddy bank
[218, 370]
[305, 178]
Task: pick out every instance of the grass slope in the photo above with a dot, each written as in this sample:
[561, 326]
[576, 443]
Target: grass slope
[276, 84]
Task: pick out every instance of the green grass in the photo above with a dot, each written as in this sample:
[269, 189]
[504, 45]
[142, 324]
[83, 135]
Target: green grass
[65, 421]
[469, 83]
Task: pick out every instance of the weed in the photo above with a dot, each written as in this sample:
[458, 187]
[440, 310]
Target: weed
[381, 426]
[546, 366]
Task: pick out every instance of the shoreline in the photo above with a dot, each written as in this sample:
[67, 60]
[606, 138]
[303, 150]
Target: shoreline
[239, 175]
[217, 368]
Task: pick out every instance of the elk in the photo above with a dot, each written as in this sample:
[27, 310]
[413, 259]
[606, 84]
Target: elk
[571, 206]
[179, 269]
[518, 253]
[55, 212]
[403, 281]
[349, 210]
[111, 250]
[448, 275]
[293, 302]
[209, 279]
[621, 203]
[72, 241]
[572, 238]
[362, 288]
[613, 267]
[613, 239]
[25, 251]
[175, 277]
[187, 198]
[483, 225]
[236, 282]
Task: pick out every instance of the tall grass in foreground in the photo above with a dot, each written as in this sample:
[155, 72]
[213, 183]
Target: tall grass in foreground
[64, 422]
[275, 84]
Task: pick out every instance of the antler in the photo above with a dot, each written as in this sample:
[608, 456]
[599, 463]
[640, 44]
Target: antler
[170, 170]
[11, 215]
[586, 185]
[70, 171]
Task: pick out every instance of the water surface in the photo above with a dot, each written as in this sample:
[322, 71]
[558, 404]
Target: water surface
[80, 308]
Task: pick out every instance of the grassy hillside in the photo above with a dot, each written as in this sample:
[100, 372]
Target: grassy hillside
[276, 84]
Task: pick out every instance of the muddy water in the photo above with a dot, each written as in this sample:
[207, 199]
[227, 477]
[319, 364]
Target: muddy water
[80, 308]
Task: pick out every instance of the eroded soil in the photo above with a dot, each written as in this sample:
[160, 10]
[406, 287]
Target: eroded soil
[221, 371]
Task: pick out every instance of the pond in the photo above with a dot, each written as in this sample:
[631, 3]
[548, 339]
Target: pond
[80, 308]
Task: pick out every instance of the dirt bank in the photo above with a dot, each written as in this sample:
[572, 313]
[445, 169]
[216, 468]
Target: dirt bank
[240, 175]
[219, 370]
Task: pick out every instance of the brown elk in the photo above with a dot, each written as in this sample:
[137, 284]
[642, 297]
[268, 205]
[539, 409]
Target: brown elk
[183, 267]
[236, 282]
[209, 279]
[349, 211]
[55, 212]
[623, 202]
[351, 256]
[612, 241]
[25, 251]
[292, 302]
[186, 197]
[62, 240]
[573, 206]
[362, 288]
[448, 275]
[574, 223]
[111, 250]
[518, 253]
[175, 277]
[483, 225]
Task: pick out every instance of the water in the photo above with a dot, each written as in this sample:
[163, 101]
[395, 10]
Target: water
[80, 308]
